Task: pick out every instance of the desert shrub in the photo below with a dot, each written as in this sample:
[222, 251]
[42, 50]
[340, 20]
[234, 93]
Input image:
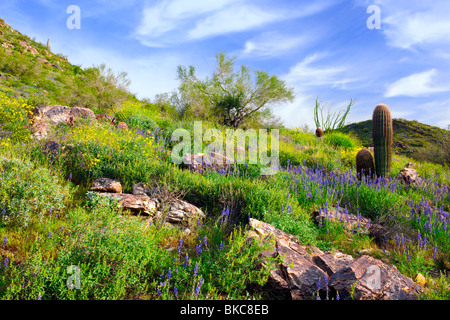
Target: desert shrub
[27, 192]
[338, 139]
[102, 151]
[140, 121]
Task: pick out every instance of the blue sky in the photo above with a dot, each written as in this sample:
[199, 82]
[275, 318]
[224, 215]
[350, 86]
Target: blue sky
[320, 48]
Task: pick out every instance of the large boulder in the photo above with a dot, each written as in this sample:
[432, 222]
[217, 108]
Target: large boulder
[306, 272]
[297, 273]
[46, 116]
[367, 278]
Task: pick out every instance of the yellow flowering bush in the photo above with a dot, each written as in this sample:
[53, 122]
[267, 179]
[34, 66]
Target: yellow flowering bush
[14, 118]
[104, 151]
[348, 156]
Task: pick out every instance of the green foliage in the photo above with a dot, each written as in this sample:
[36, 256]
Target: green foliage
[27, 191]
[231, 97]
[337, 139]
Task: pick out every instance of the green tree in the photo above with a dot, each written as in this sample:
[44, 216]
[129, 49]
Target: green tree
[233, 98]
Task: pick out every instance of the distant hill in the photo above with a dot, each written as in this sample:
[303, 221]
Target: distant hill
[411, 138]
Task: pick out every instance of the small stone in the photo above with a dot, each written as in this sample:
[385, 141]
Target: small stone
[107, 185]
[420, 279]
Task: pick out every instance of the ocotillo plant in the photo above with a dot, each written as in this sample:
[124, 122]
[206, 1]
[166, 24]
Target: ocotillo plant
[364, 163]
[382, 133]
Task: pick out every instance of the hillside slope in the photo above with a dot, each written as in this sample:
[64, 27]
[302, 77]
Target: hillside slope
[411, 138]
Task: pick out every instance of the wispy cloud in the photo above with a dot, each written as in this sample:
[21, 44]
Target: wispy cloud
[270, 44]
[307, 75]
[171, 22]
[416, 85]
[233, 19]
[416, 24]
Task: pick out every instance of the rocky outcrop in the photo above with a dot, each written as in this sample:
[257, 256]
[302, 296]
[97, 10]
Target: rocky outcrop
[135, 204]
[146, 201]
[306, 272]
[367, 278]
[44, 117]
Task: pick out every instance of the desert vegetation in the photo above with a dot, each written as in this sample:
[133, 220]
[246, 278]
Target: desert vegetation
[51, 220]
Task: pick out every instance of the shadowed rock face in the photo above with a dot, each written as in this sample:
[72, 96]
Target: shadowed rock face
[305, 270]
[51, 149]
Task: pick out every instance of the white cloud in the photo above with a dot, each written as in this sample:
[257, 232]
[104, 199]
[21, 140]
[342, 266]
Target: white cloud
[170, 22]
[270, 44]
[415, 23]
[416, 85]
[305, 74]
[233, 19]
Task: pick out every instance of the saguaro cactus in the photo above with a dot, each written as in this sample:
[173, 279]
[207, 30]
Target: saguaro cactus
[382, 135]
[364, 163]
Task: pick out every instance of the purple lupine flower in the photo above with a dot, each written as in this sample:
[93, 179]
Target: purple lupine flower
[195, 269]
[49, 234]
[221, 246]
[5, 239]
[6, 263]
[197, 289]
[3, 213]
[198, 249]
[50, 211]
[435, 253]
[39, 297]
[175, 291]
[205, 240]
[169, 274]
[180, 244]
[158, 291]
[186, 259]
